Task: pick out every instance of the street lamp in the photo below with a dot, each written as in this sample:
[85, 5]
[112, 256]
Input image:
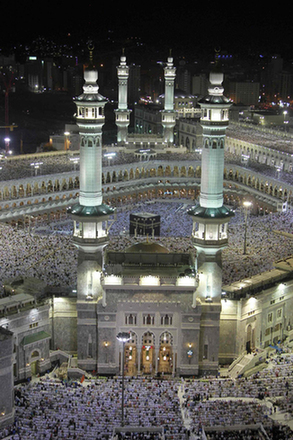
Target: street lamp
[286, 121]
[66, 140]
[36, 166]
[123, 337]
[246, 205]
[7, 143]
[75, 161]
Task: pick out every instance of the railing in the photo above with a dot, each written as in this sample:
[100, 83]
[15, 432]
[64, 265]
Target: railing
[147, 429]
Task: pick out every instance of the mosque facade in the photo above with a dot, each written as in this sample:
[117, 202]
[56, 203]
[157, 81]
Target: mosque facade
[169, 305]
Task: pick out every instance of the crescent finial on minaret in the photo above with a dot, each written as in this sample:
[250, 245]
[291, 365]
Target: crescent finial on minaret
[217, 53]
[91, 48]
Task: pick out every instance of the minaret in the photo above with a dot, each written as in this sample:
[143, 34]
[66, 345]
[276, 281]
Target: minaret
[169, 114]
[211, 217]
[91, 217]
[90, 234]
[122, 113]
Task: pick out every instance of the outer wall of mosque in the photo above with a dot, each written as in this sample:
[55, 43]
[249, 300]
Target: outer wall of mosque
[6, 377]
[157, 318]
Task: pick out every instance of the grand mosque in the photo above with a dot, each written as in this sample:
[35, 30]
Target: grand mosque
[145, 309]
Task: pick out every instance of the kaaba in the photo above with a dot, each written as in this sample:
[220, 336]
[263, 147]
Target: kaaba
[145, 223]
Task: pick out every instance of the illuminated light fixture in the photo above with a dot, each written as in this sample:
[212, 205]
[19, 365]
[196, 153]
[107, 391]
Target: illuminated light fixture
[123, 337]
[113, 279]
[149, 281]
[185, 281]
[247, 204]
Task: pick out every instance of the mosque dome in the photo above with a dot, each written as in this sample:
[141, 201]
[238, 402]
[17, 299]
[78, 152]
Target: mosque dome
[148, 247]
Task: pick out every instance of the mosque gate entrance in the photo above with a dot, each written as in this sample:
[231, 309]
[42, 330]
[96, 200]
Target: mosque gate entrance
[148, 358]
[130, 367]
[165, 359]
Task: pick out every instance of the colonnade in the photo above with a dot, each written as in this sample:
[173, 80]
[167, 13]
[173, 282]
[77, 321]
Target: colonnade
[151, 179]
[264, 155]
[262, 183]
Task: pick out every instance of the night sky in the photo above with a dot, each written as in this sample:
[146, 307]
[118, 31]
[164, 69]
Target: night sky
[187, 26]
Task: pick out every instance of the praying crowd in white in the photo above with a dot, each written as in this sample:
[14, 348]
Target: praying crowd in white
[51, 408]
[46, 251]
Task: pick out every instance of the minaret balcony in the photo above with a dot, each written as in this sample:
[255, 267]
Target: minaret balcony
[206, 242]
[78, 240]
[210, 226]
[90, 245]
[90, 120]
[207, 122]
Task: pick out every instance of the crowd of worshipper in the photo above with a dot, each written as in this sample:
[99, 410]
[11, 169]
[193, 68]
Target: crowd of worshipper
[46, 251]
[50, 408]
[256, 399]
[261, 168]
[66, 162]
[24, 167]
[61, 163]
[50, 257]
[266, 243]
[254, 134]
[175, 222]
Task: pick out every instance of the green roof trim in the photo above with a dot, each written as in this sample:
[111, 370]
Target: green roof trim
[199, 211]
[91, 211]
[35, 337]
